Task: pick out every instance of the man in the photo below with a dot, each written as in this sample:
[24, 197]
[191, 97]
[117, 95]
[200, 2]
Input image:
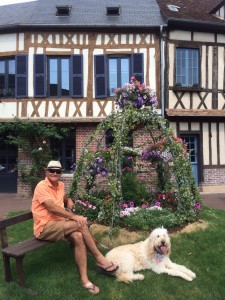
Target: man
[53, 222]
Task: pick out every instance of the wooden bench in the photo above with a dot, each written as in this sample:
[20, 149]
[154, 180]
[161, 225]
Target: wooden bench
[19, 250]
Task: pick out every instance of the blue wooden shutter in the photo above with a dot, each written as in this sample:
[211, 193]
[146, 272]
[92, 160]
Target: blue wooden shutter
[77, 75]
[39, 75]
[137, 66]
[100, 76]
[21, 76]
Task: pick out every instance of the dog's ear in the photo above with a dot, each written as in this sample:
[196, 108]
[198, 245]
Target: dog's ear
[151, 250]
[168, 251]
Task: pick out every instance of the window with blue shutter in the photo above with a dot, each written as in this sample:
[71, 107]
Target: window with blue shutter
[21, 75]
[7, 77]
[100, 76]
[187, 66]
[39, 75]
[77, 75]
[119, 68]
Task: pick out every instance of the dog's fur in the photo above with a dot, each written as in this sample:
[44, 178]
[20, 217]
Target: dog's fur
[153, 253]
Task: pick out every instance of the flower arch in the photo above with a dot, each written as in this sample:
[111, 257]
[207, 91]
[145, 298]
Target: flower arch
[165, 152]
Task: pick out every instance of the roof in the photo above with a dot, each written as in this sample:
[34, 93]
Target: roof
[192, 11]
[85, 13]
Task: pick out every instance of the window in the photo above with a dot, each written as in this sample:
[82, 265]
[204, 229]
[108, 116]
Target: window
[113, 71]
[109, 138]
[7, 77]
[113, 10]
[58, 76]
[118, 72]
[63, 11]
[187, 67]
[64, 150]
[14, 76]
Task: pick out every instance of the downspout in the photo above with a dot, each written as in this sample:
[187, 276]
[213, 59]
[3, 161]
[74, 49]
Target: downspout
[162, 71]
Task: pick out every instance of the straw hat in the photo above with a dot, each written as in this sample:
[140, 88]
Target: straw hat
[54, 164]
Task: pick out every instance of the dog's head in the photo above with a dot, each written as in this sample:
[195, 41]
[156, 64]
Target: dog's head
[159, 242]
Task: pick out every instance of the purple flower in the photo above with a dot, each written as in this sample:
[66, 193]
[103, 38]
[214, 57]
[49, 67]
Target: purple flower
[197, 206]
[131, 204]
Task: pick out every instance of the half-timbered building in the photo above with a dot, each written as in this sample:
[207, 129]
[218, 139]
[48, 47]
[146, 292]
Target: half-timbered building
[60, 61]
[194, 84]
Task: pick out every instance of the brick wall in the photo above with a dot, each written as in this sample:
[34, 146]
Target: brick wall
[214, 177]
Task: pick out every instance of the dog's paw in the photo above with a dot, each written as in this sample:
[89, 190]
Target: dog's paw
[139, 276]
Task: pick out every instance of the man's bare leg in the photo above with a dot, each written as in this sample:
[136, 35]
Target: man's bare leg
[80, 255]
[71, 226]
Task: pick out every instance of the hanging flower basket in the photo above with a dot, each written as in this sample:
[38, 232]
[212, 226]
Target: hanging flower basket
[135, 94]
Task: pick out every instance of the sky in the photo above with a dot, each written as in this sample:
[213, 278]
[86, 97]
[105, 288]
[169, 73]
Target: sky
[5, 2]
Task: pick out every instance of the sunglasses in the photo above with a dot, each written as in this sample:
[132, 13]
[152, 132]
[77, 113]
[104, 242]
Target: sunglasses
[57, 171]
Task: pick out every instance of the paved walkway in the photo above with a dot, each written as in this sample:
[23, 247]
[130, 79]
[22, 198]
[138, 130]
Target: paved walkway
[10, 202]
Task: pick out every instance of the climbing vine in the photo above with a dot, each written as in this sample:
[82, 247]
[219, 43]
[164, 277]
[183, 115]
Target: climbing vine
[32, 140]
[165, 152]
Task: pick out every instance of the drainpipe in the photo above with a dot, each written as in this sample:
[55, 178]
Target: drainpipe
[162, 70]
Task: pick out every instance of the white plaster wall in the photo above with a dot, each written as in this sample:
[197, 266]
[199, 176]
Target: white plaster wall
[210, 71]
[95, 52]
[171, 64]
[203, 66]
[21, 41]
[195, 126]
[8, 42]
[180, 35]
[183, 126]
[173, 126]
[31, 73]
[152, 69]
[96, 108]
[205, 129]
[222, 143]
[85, 71]
[221, 38]
[214, 143]
[72, 109]
[8, 110]
[203, 37]
[220, 67]
[221, 102]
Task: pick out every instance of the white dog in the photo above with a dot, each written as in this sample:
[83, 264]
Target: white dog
[153, 253]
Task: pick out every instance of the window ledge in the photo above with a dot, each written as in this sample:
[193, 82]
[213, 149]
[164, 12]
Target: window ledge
[187, 88]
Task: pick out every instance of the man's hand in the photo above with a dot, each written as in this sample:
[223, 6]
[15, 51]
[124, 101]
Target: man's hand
[70, 204]
[81, 221]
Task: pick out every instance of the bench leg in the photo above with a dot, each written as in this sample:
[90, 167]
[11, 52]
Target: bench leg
[19, 269]
[7, 268]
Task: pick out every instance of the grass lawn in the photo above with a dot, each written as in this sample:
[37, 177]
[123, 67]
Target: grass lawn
[52, 273]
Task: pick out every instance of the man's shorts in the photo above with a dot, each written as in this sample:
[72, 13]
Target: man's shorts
[53, 231]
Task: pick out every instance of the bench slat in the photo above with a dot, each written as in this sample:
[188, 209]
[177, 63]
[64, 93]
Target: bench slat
[16, 219]
[24, 247]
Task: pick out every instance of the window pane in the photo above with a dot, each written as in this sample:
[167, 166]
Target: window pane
[53, 77]
[187, 66]
[125, 74]
[112, 75]
[65, 77]
[11, 77]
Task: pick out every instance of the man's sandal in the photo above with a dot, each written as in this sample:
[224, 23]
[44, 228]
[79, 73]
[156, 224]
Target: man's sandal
[91, 288]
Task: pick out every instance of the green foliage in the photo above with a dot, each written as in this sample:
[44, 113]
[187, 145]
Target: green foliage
[132, 188]
[32, 139]
[147, 220]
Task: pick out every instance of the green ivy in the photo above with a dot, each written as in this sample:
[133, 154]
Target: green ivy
[32, 139]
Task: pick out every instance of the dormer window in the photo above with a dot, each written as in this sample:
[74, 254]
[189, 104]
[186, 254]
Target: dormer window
[113, 10]
[63, 11]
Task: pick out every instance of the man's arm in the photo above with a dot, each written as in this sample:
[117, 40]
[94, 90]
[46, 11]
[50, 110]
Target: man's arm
[68, 202]
[59, 211]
